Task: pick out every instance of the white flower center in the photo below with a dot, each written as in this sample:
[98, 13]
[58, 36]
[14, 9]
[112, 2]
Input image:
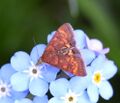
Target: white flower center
[97, 78]
[70, 97]
[34, 71]
[4, 89]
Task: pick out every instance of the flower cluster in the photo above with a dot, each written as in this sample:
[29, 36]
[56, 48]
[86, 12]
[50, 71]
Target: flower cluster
[23, 80]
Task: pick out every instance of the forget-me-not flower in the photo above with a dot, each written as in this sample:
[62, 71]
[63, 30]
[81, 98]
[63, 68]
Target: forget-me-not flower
[72, 91]
[101, 70]
[96, 46]
[7, 93]
[31, 75]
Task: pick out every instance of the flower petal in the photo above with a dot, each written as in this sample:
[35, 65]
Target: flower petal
[20, 81]
[87, 56]
[89, 71]
[20, 61]
[50, 36]
[109, 69]
[37, 52]
[24, 100]
[49, 72]
[93, 93]
[43, 99]
[59, 87]
[94, 44]
[6, 72]
[104, 51]
[68, 73]
[6, 100]
[84, 98]
[97, 46]
[80, 38]
[106, 90]
[38, 87]
[55, 100]
[79, 84]
[96, 64]
[18, 95]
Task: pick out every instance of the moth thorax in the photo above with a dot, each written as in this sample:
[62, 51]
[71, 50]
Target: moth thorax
[65, 51]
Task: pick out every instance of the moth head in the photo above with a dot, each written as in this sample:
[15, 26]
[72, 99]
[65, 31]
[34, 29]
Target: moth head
[66, 50]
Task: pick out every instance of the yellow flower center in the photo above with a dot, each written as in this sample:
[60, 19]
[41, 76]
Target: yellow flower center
[97, 78]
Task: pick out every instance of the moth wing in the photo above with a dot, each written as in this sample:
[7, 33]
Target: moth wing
[77, 67]
[61, 37]
[50, 56]
[73, 64]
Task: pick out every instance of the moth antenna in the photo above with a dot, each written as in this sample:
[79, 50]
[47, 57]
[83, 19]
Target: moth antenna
[34, 41]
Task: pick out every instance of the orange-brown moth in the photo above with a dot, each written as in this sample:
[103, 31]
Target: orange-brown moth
[62, 52]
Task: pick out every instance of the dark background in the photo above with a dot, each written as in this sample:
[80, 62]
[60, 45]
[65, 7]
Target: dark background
[24, 21]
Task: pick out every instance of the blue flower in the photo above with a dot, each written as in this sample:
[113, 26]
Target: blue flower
[72, 91]
[30, 75]
[87, 54]
[36, 99]
[80, 38]
[7, 94]
[100, 71]
[96, 46]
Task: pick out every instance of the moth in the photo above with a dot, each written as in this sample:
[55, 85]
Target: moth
[62, 52]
